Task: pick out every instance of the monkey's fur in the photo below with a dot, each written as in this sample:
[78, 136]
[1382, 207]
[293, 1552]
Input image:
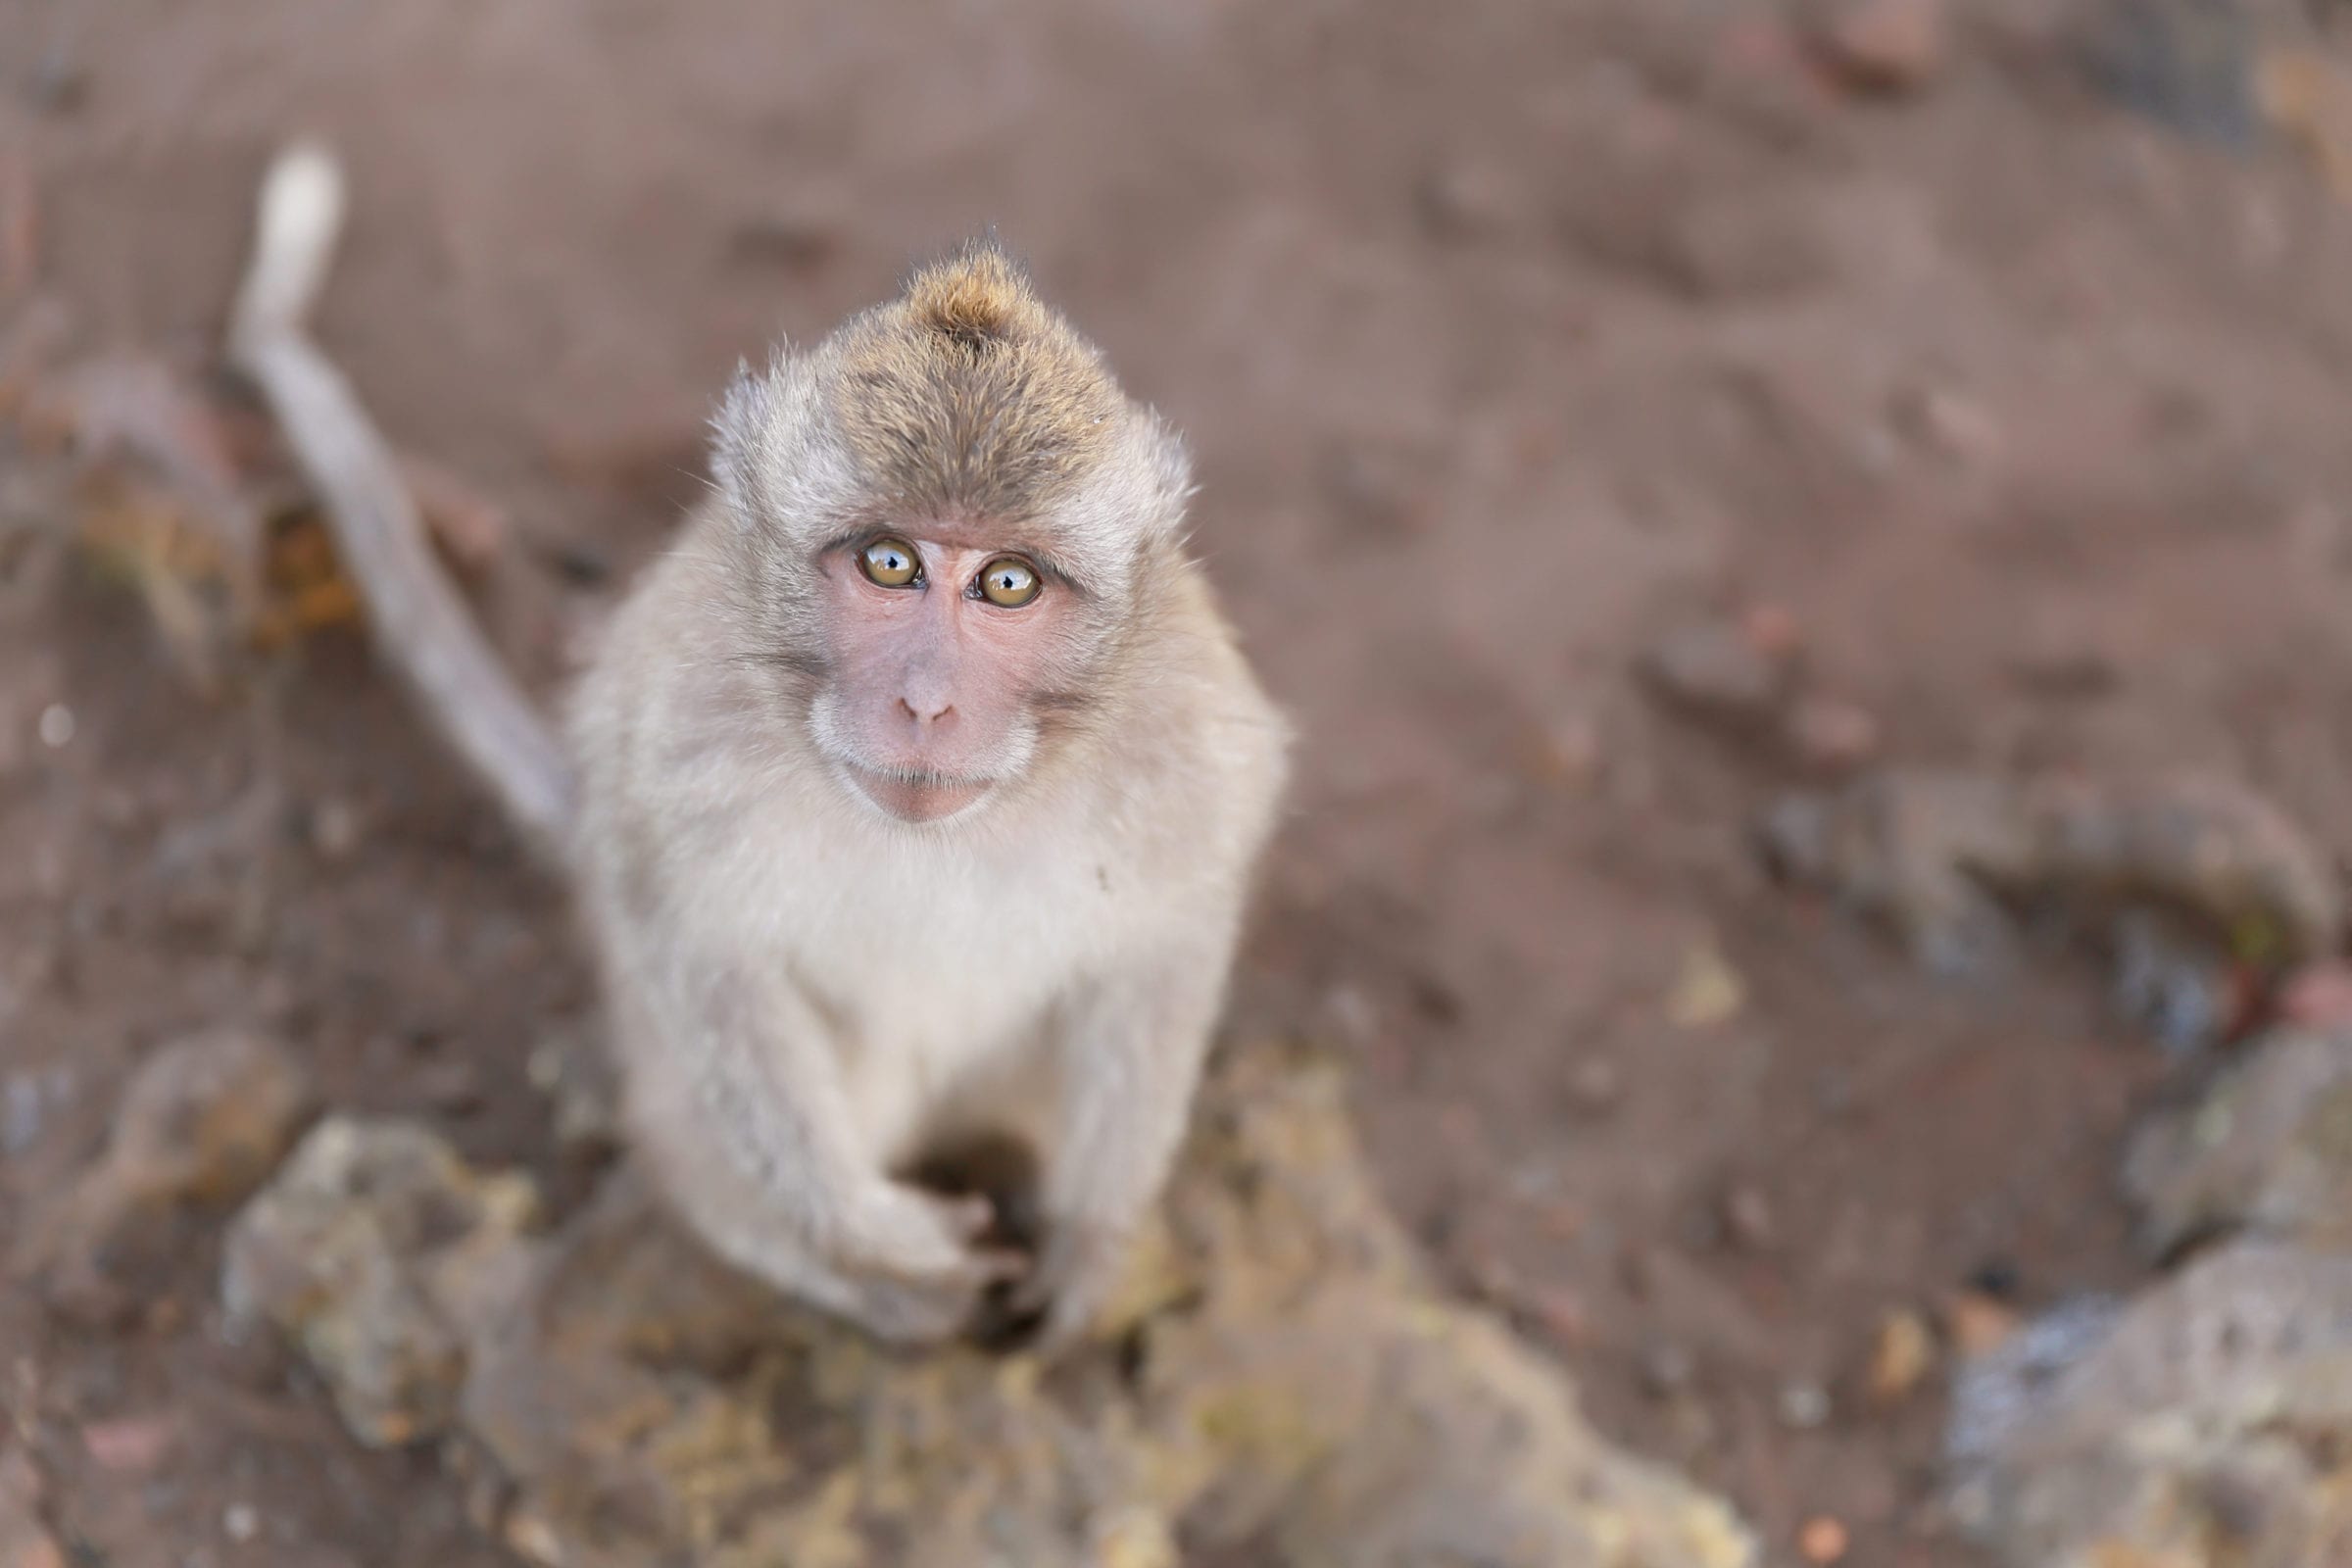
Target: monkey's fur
[810, 997]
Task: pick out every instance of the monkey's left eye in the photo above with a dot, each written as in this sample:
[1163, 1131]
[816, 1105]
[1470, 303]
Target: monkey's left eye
[1008, 582]
[890, 563]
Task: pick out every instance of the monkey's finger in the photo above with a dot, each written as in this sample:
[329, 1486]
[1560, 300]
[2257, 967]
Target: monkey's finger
[983, 1267]
[969, 1216]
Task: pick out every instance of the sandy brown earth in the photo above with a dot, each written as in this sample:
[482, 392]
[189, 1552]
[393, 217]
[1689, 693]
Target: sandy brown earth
[1509, 340]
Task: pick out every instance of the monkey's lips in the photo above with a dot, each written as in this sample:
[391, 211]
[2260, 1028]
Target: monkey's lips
[919, 796]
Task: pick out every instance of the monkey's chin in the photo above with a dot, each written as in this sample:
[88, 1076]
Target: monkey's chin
[928, 801]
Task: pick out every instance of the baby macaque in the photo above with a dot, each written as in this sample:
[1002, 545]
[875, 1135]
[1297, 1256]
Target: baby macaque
[920, 787]
[911, 799]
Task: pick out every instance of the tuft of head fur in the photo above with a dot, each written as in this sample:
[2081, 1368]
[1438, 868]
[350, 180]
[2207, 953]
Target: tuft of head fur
[967, 395]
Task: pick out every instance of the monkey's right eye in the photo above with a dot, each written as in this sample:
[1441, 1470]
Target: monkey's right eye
[890, 563]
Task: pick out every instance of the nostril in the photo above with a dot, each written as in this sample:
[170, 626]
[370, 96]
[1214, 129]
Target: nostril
[925, 713]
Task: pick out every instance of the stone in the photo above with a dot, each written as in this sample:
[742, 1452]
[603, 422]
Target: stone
[2209, 1420]
[1714, 670]
[202, 1122]
[1890, 46]
[2266, 1149]
[1279, 1375]
[1936, 854]
[364, 1252]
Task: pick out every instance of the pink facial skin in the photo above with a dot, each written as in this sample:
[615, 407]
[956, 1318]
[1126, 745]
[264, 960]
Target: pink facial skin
[933, 696]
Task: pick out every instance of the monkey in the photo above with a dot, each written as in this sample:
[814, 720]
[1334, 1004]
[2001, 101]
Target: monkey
[914, 797]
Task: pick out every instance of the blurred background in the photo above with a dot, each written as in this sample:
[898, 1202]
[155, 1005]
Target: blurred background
[1808, 543]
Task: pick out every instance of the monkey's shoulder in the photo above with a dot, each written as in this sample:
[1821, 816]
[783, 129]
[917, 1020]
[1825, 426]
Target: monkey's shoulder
[1202, 740]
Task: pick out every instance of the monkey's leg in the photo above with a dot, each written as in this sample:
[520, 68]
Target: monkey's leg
[1130, 1061]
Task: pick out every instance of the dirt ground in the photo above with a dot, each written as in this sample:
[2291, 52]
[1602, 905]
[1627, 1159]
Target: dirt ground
[1508, 337]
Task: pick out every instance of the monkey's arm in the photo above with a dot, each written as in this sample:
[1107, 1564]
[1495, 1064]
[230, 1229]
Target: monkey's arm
[739, 1072]
[1133, 1056]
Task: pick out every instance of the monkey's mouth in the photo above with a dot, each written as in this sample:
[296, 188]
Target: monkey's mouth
[914, 795]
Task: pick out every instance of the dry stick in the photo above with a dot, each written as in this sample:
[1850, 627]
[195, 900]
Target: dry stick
[423, 628]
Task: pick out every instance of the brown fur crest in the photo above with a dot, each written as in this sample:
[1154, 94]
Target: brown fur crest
[968, 394]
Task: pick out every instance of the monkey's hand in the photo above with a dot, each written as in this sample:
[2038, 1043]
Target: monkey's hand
[1074, 1275]
[909, 1233]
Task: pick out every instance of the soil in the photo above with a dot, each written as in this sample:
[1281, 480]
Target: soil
[1509, 341]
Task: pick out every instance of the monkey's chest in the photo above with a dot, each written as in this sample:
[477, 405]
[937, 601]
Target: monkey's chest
[952, 998]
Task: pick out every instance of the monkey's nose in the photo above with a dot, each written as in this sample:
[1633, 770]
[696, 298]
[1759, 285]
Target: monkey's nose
[927, 713]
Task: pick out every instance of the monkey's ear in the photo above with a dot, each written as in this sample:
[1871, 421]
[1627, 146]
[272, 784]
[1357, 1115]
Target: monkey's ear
[739, 429]
[1171, 467]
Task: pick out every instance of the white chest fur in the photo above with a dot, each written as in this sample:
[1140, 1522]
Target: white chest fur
[940, 962]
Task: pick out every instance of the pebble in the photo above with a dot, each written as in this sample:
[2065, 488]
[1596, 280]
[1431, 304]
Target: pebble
[1596, 1086]
[1831, 735]
[1949, 424]
[1823, 1541]
[1715, 670]
[131, 1444]
[241, 1521]
[1567, 753]
[1804, 1406]
[1889, 46]
[1748, 1217]
[1901, 1359]
[1668, 1368]
[335, 829]
[1352, 1013]
[56, 726]
[23, 1110]
[1707, 992]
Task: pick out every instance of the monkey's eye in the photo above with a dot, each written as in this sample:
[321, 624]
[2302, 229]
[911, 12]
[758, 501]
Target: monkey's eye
[890, 562]
[1008, 582]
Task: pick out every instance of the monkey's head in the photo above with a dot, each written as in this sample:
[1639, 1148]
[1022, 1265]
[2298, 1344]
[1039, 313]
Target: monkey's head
[946, 517]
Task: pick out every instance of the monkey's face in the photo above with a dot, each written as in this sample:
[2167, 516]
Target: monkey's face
[945, 656]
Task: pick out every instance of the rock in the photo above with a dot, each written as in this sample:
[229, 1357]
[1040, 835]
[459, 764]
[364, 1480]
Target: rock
[1900, 1358]
[2319, 996]
[573, 1070]
[1821, 1539]
[1716, 671]
[1948, 423]
[1804, 1406]
[336, 828]
[1279, 1376]
[1706, 991]
[1747, 1221]
[2171, 987]
[2210, 1421]
[134, 1445]
[364, 1251]
[202, 1125]
[1596, 1086]
[1828, 735]
[1937, 855]
[2189, 64]
[1668, 1369]
[1890, 46]
[2266, 1149]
